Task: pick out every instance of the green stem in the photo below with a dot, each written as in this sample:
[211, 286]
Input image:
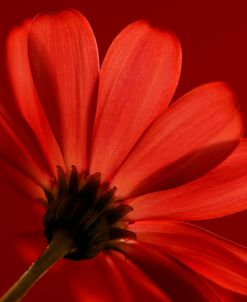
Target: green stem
[61, 245]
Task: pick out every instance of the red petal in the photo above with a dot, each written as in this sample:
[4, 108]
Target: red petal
[226, 295]
[220, 192]
[142, 288]
[193, 135]
[213, 257]
[97, 280]
[64, 62]
[26, 97]
[26, 187]
[114, 279]
[137, 80]
[175, 279]
[20, 148]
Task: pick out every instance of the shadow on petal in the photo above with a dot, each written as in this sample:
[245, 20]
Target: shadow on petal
[186, 168]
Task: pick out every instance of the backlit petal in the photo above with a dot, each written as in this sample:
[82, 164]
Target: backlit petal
[64, 63]
[96, 280]
[142, 287]
[27, 101]
[113, 280]
[137, 80]
[194, 134]
[20, 148]
[213, 257]
[220, 192]
[175, 279]
[226, 295]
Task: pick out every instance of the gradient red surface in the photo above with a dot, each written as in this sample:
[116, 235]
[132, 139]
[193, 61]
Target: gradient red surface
[213, 35]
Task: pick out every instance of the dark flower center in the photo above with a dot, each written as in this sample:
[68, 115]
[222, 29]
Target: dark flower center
[89, 212]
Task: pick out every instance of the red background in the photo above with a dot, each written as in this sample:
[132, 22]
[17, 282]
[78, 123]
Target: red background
[213, 37]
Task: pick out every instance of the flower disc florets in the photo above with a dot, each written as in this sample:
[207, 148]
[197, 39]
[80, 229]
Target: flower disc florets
[88, 211]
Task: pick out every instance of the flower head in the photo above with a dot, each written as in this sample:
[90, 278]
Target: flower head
[120, 169]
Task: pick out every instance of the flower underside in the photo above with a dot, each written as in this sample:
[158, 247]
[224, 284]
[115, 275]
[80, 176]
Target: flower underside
[88, 211]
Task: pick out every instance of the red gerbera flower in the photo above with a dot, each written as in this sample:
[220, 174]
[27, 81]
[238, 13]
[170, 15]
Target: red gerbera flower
[120, 174]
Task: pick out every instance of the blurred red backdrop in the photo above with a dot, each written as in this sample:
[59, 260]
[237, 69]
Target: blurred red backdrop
[213, 37]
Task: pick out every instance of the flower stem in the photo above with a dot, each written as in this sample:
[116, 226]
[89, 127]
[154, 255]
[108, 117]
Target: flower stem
[61, 245]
